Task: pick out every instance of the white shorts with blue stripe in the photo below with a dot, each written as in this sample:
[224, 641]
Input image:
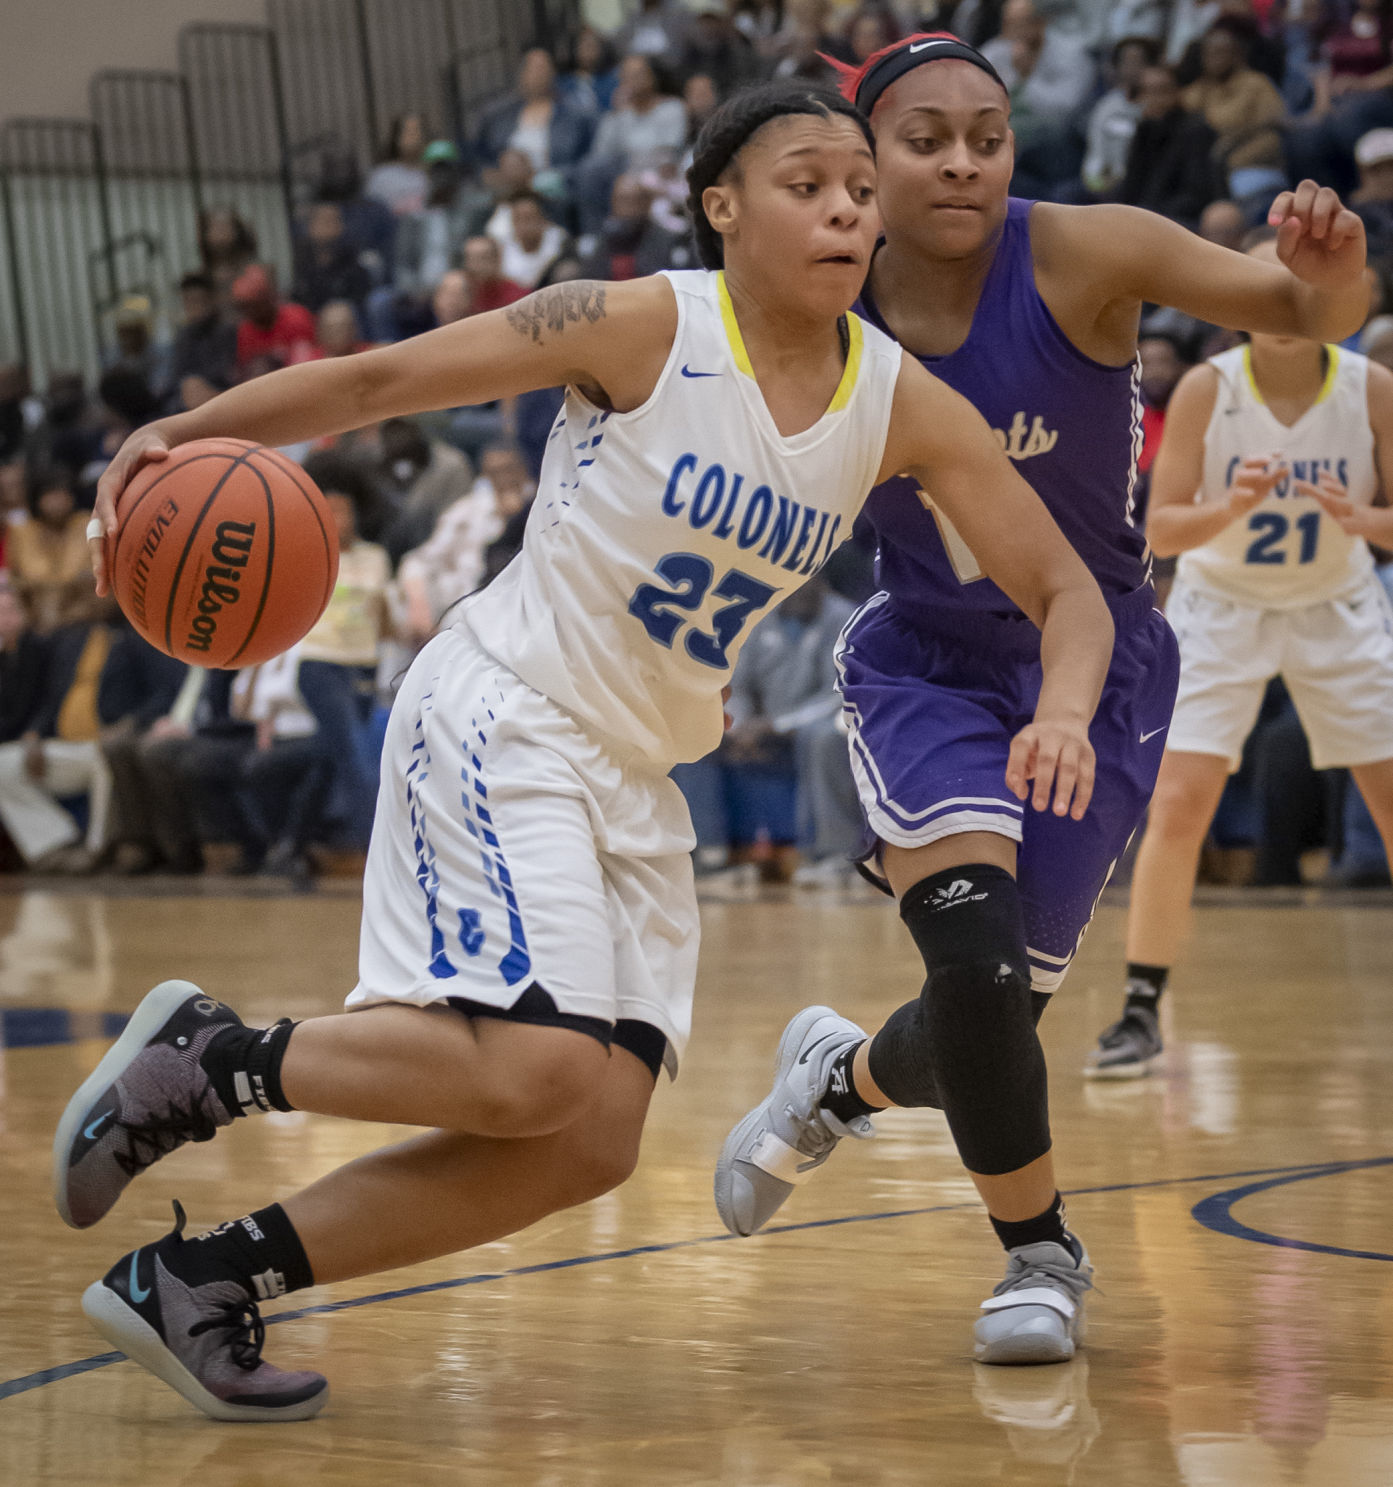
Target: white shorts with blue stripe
[512, 847]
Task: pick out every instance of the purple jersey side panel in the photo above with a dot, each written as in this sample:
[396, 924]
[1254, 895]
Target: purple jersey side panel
[1071, 425]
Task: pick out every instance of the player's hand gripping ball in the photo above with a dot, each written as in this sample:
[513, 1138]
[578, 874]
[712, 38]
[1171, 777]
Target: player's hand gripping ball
[221, 553]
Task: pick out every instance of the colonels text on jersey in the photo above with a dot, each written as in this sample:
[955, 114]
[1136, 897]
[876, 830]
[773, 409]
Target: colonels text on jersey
[657, 535]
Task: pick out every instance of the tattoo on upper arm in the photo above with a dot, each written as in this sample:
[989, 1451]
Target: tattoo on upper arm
[557, 306]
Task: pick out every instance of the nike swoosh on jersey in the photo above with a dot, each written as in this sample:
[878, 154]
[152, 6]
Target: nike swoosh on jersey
[138, 1294]
[688, 372]
[1153, 733]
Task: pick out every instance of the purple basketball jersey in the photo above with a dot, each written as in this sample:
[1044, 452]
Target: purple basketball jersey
[1071, 425]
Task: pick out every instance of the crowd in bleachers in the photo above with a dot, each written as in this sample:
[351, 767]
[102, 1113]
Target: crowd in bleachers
[113, 756]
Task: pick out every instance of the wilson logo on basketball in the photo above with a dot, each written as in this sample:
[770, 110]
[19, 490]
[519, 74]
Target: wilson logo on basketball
[232, 547]
[140, 572]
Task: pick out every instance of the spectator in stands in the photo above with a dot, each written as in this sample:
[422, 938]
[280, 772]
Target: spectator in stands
[139, 685]
[487, 286]
[138, 348]
[631, 244]
[1169, 165]
[226, 247]
[1246, 112]
[269, 326]
[156, 774]
[700, 97]
[1373, 201]
[1265, 53]
[749, 791]
[1114, 118]
[870, 28]
[1049, 74]
[21, 412]
[327, 262]
[1223, 222]
[338, 658]
[47, 555]
[23, 667]
[716, 47]
[1163, 364]
[70, 434]
[58, 756]
[528, 239]
[14, 505]
[645, 128]
[658, 30]
[265, 787]
[205, 346]
[398, 181]
[591, 78]
[336, 330]
[125, 404]
[1355, 52]
[536, 119]
[453, 561]
[424, 476]
[370, 224]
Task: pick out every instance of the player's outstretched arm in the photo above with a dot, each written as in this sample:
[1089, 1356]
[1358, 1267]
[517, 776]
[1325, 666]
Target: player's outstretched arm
[1317, 290]
[610, 340]
[944, 442]
[1176, 521]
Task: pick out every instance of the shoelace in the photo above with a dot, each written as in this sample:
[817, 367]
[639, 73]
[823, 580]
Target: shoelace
[1072, 1279]
[157, 1136]
[246, 1331]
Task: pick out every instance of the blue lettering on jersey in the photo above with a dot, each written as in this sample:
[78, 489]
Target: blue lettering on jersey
[1308, 471]
[798, 538]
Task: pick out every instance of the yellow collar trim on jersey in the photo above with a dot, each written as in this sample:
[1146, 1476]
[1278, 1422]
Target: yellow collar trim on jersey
[855, 341]
[1332, 365]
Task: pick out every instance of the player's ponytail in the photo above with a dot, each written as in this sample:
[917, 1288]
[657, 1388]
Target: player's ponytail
[731, 127]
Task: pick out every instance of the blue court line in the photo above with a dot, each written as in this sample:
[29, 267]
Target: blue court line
[41, 1027]
[1216, 1212]
[1280, 1174]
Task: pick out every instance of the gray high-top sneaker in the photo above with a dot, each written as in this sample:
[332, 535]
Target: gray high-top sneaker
[147, 1097]
[203, 1341]
[1036, 1314]
[786, 1137]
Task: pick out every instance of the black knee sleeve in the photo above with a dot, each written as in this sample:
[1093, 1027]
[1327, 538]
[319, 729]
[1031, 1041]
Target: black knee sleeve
[968, 1046]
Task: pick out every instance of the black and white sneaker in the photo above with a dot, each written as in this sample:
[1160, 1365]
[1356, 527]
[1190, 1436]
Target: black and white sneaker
[203, 1341]
[1128, 1049]
[147, 1097]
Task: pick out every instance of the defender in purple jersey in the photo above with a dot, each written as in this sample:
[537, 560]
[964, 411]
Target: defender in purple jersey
[1030, 311]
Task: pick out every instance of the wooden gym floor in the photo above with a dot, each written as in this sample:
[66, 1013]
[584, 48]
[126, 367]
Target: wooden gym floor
[1237, 1207]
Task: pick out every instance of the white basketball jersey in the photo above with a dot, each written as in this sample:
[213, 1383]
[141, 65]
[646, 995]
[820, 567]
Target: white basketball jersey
[1286, 552]
[660, 536]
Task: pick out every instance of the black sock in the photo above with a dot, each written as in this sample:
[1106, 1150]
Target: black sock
[1044, 1228]
[1145, 985]
[243, 1065]
[261, 1253]
[840, 1096]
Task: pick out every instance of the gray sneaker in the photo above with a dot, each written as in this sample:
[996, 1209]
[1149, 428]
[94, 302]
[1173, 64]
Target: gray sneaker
[786, 1137]
[1128, 1049]
[148, 1096]
[1036, 1314]
[203, 1341]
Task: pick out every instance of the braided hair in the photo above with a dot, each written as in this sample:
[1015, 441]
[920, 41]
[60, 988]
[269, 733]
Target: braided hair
[731, 127]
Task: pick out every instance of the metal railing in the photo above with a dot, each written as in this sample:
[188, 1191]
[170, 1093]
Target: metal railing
[92, 210]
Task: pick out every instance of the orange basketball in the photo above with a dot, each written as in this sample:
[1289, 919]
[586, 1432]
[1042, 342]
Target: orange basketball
[224, 554]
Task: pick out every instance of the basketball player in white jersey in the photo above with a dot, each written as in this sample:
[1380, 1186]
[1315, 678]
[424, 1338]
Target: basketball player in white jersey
[529, 923]
[1264, 484]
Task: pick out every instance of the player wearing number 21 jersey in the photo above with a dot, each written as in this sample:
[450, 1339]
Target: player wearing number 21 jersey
[1265, 484]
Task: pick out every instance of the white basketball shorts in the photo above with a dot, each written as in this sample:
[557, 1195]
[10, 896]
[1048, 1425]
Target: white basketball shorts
[1335, 657]
[512, 848]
